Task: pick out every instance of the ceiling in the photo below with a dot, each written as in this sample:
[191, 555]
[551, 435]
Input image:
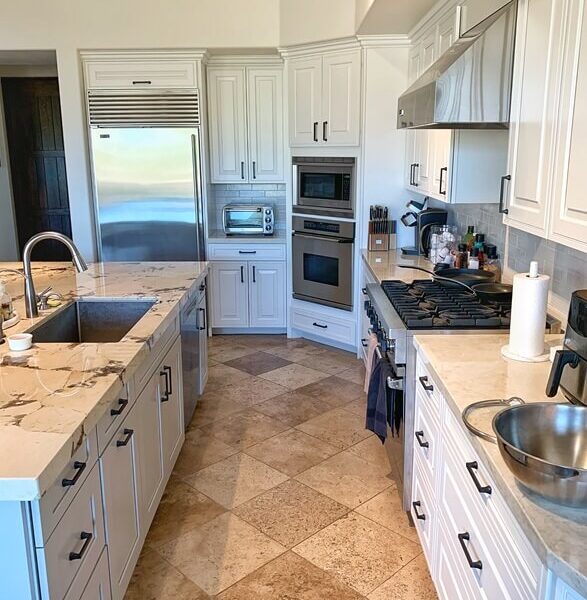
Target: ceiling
[393, 16]
[27, 57]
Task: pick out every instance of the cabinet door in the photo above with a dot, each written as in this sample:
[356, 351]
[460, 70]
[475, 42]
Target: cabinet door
[341, 99]
[148, 440]
[230, 296]
[422, 156]
[265, 120]
[441, 144]
[532, 124]
[447, 32]
[226, 108]
[98, 586]
[305, 100]
[203, 343]
[120, 490]
[267, 294]
[568, 223]
[428, 50]
[475, 11]
[414, 68]
[171, 403]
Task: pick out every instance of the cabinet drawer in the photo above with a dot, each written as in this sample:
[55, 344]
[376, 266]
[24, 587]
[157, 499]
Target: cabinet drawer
[424, 514]
[425, 438]
[322, 325]
[151, 362]
[75, 546]
[97, 587]
[141, 74]
[113, 416]
[246, 252]
[427, 387]
[47, 511]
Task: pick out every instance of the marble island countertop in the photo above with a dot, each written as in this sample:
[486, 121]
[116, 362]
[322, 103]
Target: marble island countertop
[468, 368]
[53, 393]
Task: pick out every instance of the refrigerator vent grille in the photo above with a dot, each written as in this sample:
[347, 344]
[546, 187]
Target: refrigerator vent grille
[116, 109]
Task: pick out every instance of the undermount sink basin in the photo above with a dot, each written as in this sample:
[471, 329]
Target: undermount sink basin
[97, 320]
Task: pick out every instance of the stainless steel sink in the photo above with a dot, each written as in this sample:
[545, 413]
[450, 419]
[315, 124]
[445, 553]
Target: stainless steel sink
[97, 320]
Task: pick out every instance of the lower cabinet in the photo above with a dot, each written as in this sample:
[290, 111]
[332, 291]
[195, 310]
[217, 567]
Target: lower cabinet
[97, 587]
[248, 294]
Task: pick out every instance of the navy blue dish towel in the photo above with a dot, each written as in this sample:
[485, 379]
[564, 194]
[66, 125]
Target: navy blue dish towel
[384, 405]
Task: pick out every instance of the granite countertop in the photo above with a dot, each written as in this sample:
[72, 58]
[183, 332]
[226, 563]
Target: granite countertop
[52, 394]
[468, 368]
[217, 236]
[383, 265]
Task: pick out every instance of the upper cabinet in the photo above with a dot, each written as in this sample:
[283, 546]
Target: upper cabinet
[324, 99]
[475, 11]
[543, 189]
[245, 107]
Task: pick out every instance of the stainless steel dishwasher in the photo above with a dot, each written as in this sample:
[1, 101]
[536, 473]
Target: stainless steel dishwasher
[194, 351]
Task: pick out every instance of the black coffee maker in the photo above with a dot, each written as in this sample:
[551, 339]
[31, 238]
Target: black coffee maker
[422, 223]
[569, 368]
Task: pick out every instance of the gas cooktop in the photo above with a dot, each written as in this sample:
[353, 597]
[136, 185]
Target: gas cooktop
[426, 304]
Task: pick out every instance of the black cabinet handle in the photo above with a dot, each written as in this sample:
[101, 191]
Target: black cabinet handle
[427, 386]
[420, 437]
[412, 174]
[87, 537]
[315, 131]
[205, 326]
[472, 467]
[254, 274]
[114, 412]
[165, 395]
[474, 564]
[364, 343]
[416, 166]
[254, 170]
[419, 516]
[242, 274]
[502, 209]
[247, 252]
[80, 467]
[128, 433]
[324, 129]
[242, 169]
[142, 82]
[321, 326]
[168, 371]
[440, 190]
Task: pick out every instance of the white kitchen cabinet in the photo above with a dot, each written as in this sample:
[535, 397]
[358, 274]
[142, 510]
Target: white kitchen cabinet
[267, 294]
[324, 99]
[246, 124]
[98, 585]
[475, 11]
[119, 467]
[230, 294]
[447, 31]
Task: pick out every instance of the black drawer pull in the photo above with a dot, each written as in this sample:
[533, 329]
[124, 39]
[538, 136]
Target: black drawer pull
[87, 537]
[420, 437]
[427, 386]
[247, 252]
[80, 467]
[315, 136]
[472, 467]
[128, 433]
[165, 395]
[143, 82]
[321, 326]
[474, 564]
[324, 126]
[114, 412]
[420, 516]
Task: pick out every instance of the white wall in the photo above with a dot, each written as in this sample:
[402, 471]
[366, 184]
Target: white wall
[304, 21]
[383, 144]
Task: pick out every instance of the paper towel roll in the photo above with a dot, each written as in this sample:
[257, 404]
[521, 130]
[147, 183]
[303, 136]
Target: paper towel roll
[528, 321]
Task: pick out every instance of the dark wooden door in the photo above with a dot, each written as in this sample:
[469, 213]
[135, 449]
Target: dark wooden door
[37, 161]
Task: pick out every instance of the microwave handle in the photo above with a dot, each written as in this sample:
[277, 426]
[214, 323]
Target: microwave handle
[295, 185]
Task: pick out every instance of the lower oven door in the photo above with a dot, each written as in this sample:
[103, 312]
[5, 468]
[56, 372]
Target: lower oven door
[323, 270]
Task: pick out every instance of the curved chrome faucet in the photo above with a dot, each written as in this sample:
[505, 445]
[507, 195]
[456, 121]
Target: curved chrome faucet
[29, 288]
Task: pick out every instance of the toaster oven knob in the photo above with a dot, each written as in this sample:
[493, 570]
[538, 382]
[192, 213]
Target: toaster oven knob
[267, 227]
[267, 211]
[267, 220]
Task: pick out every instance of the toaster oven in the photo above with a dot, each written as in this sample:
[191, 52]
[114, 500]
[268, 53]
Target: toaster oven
[248, 219]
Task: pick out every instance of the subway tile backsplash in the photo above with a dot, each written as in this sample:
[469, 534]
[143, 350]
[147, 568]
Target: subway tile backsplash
[272, 194]
[565, 266]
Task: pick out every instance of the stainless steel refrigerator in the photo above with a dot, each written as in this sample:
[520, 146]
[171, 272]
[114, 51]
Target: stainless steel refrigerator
[147, 176]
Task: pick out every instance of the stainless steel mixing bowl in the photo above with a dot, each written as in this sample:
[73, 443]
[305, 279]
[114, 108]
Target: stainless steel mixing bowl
[545, 446]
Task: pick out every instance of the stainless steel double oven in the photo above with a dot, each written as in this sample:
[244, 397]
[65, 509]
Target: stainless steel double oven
[323, 231]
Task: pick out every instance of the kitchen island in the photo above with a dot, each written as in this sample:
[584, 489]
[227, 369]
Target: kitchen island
[79, 424]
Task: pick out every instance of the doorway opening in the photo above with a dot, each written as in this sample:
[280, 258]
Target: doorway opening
[37, 181]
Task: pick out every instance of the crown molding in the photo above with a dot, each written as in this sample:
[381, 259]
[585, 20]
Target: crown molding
[187, 53]
[234, 60]
[384, 41]
[340, 44]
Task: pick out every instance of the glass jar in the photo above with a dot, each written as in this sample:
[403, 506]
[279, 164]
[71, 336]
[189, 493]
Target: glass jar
[443, 243]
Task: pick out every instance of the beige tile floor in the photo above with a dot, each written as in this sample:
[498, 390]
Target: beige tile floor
[279, 492]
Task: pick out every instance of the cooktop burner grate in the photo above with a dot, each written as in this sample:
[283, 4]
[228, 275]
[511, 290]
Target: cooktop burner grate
[426, 304]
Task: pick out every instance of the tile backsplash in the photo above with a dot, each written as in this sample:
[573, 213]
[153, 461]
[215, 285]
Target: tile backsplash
[566, 267]
[272, 194]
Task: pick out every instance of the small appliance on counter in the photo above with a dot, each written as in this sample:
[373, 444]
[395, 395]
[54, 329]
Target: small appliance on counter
[248, 219]
[382, 230]
[569, 368]
[422, 223]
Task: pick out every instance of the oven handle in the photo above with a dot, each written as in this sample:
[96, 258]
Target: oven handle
[324, 238]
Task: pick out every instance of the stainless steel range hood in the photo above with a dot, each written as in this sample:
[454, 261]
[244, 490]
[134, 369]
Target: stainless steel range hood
[469, 86]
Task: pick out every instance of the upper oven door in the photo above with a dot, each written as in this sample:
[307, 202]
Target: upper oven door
[325, 186]
[243, 219]
[323, 270]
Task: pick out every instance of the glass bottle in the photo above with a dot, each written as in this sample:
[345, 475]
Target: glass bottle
[469, 237]
[461, 258]
[492, 262]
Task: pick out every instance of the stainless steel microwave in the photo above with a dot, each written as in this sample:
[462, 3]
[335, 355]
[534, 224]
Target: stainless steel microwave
[325, 185]
[248, 219]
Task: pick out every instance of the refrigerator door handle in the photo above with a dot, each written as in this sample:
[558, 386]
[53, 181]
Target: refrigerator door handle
[196, 162]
